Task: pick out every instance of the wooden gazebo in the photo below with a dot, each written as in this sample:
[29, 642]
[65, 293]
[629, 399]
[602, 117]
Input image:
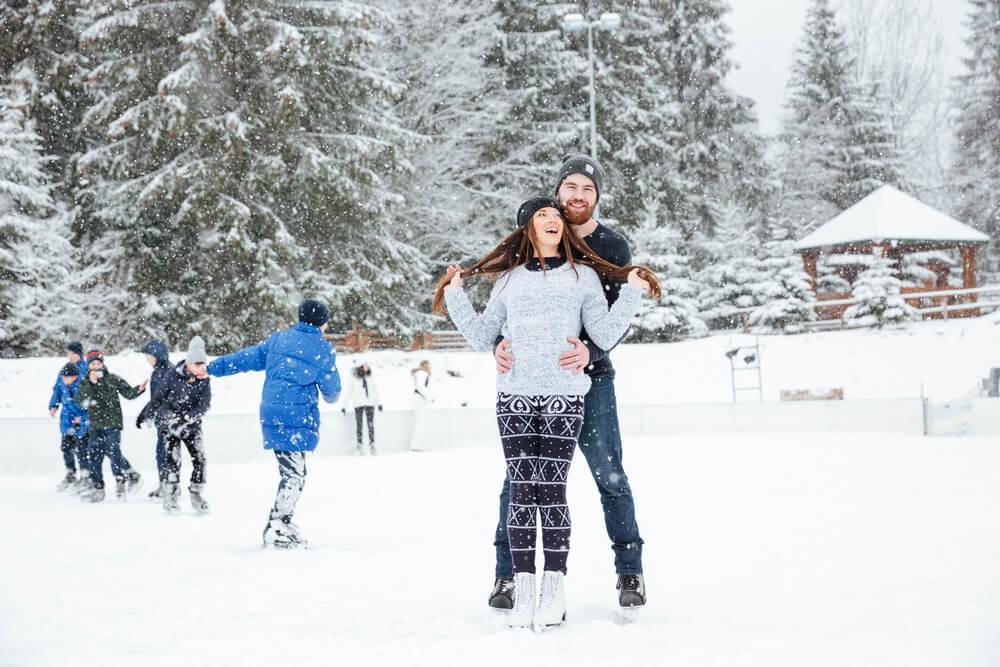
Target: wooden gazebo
[893, 224]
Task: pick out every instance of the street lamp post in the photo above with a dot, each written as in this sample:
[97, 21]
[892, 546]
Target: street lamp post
[608, 22]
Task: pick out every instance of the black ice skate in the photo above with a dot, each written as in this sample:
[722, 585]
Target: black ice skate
[631, 591]
[281, 533]
[120, 488]
[502, 596]
[67, 481]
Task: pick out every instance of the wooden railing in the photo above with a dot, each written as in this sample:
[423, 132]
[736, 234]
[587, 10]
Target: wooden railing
[947, 303]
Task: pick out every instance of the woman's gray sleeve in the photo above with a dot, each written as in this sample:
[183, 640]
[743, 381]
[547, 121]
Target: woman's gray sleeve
[606, 327]
[480, 331]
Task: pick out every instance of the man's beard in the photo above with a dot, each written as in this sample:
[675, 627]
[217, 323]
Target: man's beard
[577, 217]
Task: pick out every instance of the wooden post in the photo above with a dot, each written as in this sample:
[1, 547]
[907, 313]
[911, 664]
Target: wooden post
[809, 264]
[969, 275]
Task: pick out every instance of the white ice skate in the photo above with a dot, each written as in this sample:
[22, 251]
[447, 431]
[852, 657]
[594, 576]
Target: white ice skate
[283, 534]
[523, 613]
[171, 495]
[67, 481]
[551, 600]
[198, 502]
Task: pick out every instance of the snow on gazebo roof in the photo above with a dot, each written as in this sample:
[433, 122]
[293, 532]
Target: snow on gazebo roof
[890, 215]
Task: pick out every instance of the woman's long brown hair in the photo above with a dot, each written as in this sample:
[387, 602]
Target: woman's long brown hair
[519, 247]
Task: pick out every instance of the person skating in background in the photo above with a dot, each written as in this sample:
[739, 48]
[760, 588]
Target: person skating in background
[579, 185]
[177, 405]
[298, 363]
[421, 399]
[98, 395]
[362, 397]
[159, 358]
[547, 286]
[74, 355]
[72, 426]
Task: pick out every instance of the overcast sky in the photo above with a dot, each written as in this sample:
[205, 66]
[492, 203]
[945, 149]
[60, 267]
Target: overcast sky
[766, 32]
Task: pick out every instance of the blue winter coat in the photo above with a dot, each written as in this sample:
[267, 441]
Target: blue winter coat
[65, 395]
[298, 362]
[71, 410]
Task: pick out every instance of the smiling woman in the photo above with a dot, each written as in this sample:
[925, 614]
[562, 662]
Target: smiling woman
[547, 289]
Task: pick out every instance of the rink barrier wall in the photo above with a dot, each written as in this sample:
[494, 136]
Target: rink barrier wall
[32, 445]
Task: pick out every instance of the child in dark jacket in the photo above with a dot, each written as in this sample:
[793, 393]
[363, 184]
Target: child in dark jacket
[159, 358]
[99, 396]
[72, 425]
[298, 362]
[178, 403]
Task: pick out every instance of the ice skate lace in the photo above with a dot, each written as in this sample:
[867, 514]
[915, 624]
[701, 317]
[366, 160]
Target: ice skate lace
[547, 596]
[629, 582]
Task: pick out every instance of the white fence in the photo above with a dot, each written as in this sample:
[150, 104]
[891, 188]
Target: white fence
[32, 445]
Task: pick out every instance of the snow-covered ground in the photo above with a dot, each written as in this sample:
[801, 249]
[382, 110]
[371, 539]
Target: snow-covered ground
[762, 549]
[767, 551]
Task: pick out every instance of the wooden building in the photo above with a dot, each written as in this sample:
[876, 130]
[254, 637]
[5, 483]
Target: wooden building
[893, 224]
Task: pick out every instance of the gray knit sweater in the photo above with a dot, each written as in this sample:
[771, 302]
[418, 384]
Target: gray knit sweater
[538, 311]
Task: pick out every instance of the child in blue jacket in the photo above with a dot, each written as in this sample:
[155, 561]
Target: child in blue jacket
[72, 425]
[298, 362]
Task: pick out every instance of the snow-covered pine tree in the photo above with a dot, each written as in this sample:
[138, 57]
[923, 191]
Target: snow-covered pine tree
[976, 171]
[668, 125]
[878, 300]
[452, 107]
[675, 315]
[785, 290]
[41, 274]
[243, 165]
[544, 84]
[39, 51]
[836, 146]
[732, 274]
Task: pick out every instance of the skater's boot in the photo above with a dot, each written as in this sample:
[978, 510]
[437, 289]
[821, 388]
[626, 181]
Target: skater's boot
[551, 600]
[67, 481]
[359, 451]
[171, 498]
[93, 495]
[523, 613]
[502, 596]
[134, 480]
[372, 445]
[157, 493]
[198, 502]
[281, 533]
[82, 484]
[120, 488]
[631, 590]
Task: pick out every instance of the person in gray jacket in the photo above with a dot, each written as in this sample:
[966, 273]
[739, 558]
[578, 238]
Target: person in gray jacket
[543, 294]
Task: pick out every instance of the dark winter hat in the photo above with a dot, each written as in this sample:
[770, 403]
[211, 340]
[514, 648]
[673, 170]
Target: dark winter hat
[313, 312]
[528, 209]
[75, 346]
[69, 371]
[95, 355]
[581, 164]
[158, 349]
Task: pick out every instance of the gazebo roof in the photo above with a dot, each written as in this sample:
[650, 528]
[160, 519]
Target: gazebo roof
[890, 215]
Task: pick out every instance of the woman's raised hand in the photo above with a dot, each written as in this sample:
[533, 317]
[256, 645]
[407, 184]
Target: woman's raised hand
[454, 276]
[637, 280]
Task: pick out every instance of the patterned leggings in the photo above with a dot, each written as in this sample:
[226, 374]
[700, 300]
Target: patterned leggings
[292, 468]
[539, 435]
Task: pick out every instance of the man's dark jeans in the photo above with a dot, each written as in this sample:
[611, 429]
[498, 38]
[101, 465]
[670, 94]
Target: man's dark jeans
[601, 445]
